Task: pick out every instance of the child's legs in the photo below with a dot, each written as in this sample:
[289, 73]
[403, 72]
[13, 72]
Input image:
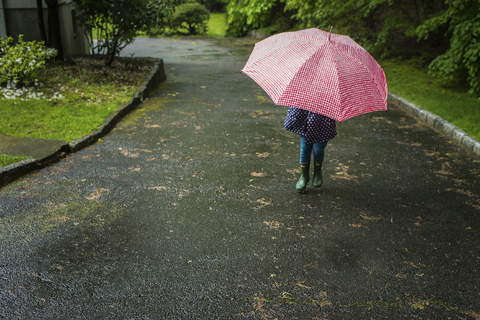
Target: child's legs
[319, 151]
[305, 150]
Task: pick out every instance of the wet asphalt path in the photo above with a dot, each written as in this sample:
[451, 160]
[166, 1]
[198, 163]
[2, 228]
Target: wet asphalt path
[188, 210]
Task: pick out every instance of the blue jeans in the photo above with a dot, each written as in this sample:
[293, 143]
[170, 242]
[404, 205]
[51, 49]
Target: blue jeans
[306, 150]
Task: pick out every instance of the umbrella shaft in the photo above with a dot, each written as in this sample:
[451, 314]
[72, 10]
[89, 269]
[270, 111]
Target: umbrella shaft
[306, 121]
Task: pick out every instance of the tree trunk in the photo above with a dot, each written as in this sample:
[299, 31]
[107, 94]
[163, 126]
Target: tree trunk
[54, 35]
[41, 22]
[111, 55]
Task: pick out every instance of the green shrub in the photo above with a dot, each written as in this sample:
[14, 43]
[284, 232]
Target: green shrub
[246, 15]
[21, 62]
[156, 32]
[111, 25]
[193, 16]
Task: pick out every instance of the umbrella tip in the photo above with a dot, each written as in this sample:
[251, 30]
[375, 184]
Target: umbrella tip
[330, 33]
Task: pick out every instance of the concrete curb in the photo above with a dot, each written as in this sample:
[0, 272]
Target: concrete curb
[449, 130]
[19, 169]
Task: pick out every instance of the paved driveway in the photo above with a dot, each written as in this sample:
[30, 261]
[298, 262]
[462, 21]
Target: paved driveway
[188, 210]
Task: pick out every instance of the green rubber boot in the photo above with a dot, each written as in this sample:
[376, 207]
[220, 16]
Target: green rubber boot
[317, 174]
[304, 177]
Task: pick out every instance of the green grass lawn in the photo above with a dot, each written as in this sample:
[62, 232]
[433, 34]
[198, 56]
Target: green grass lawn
[6, 160]
[217, 25]
[75, 101]
[445, 99]
[61, 119]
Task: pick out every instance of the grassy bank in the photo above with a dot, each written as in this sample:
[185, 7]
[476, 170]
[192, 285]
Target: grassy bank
[7, 160]
[446, 99]
[70, 101]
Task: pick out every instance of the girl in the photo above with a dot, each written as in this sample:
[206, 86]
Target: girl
[315, 130]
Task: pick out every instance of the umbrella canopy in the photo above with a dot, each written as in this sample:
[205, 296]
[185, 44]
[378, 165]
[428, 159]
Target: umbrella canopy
[329, 74]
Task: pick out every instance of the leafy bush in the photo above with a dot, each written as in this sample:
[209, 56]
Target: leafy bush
[194, 15]
[246, 15]
[155, 32]
[21, 62]
[236, 19]
[162, 12]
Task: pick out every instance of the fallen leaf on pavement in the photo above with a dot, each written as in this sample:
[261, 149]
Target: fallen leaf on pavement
[258, 174]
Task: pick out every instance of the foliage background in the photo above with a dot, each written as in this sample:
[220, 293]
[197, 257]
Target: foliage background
[444, 34]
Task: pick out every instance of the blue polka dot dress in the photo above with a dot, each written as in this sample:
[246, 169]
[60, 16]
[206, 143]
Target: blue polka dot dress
[319, 128]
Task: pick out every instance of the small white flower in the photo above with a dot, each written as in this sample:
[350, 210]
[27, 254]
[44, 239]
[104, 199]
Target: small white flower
[19, 60]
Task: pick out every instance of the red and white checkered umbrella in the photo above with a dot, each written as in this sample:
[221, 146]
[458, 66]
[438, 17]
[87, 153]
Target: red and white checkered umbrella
[329, 74]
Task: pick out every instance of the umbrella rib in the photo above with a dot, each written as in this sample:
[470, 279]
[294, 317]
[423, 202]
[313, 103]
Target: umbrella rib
[273, 53]
[312, 57]
[368, 70]
[283, 45]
